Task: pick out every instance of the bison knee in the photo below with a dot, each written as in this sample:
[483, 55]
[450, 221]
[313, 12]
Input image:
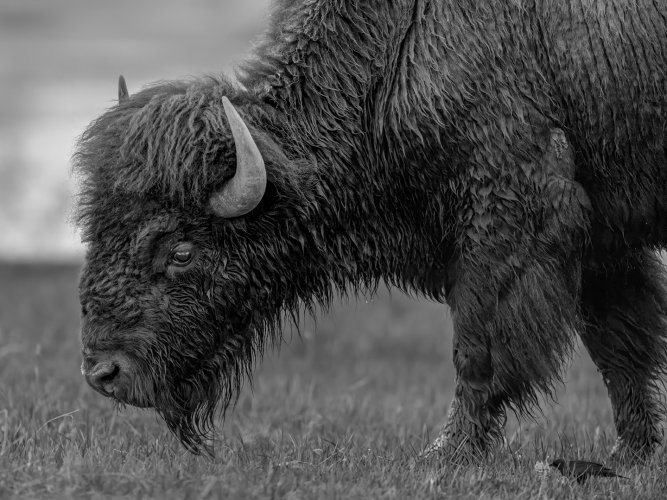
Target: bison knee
[473, 365]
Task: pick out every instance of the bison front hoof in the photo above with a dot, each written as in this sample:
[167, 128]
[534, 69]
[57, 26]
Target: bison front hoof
[459, 450]
[626, 453]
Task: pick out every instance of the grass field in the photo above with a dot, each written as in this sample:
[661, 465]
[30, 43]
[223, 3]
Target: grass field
[339, 413]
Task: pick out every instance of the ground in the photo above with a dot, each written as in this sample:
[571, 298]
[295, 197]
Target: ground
[340, 412]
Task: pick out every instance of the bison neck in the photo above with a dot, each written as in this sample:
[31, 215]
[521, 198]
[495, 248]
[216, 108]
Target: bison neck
[376, 211]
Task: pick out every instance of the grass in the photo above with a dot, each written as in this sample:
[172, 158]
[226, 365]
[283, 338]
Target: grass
[339, 413]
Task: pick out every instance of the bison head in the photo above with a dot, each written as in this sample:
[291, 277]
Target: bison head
[191, 254]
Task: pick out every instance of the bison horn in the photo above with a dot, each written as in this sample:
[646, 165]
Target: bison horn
[122, 89]
[245, 190]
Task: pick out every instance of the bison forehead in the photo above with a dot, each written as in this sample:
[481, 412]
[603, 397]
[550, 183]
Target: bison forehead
[114, 281]
[112, 287]
[170, 141]
[125, 275]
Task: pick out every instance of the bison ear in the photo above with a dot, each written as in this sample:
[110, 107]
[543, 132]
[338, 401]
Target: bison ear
[122, 89]
[243, 192]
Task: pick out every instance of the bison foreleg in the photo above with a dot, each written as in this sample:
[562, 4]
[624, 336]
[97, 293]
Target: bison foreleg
[625, 309]
[514, 298]
[509, 345]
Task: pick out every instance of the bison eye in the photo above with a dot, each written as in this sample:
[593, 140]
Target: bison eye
[182, 255]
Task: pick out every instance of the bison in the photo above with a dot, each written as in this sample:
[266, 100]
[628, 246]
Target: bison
[509, 158]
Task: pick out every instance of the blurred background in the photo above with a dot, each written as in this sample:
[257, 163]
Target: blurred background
[59, 65]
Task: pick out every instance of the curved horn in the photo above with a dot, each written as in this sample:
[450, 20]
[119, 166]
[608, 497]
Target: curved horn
[245, 190]
[122, 89]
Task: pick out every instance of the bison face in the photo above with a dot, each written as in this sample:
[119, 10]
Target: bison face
[177, 296]
[158, 330]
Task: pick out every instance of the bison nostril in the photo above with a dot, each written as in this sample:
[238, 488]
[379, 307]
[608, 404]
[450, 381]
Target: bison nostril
[110, 376]
[102, 377]
[103, 370]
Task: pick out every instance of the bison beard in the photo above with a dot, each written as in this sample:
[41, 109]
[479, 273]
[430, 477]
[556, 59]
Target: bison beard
[191, 401]
[511, 161]
[189, 406]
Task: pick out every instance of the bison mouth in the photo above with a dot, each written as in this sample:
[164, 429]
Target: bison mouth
[187, 402]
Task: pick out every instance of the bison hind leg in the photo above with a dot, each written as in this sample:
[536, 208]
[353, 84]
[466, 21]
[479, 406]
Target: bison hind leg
[624, 304]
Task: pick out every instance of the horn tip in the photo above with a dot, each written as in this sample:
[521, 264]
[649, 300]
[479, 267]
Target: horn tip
[122, 88]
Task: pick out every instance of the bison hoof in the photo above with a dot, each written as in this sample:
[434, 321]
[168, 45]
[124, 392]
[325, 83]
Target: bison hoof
[460, 451]
[626, 453]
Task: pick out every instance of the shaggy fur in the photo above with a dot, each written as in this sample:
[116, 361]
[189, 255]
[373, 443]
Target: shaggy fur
[489, 154]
